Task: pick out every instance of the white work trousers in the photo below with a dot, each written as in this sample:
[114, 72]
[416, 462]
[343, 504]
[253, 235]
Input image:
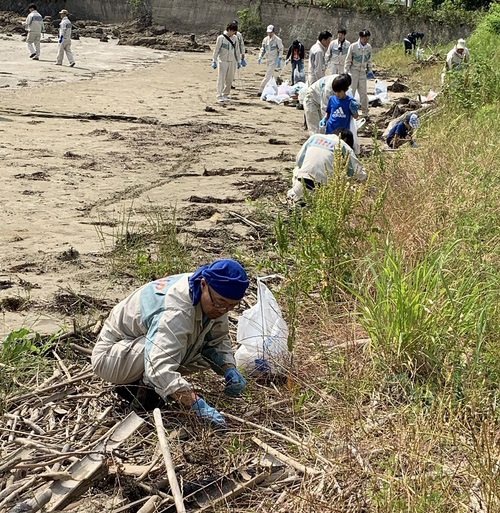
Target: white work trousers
[33, 41]
[269, 74]
[122, 362]
[359, 84]
[313, 114]
[225, 79]
[337, 69]
[65, 46]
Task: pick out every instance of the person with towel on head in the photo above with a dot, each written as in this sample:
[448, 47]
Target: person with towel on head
[173, 327]
[272, 49]
[402, 131]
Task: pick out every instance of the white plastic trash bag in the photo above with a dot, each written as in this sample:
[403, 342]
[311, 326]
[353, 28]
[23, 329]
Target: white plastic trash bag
[354, 126]
[298, 76]
[263, 336]
[271, 89]
[381, 91]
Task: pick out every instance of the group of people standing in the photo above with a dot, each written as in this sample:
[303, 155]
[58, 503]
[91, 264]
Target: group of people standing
[34, 27]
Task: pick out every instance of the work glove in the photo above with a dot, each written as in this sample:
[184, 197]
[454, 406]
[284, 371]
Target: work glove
[278, 64]
[370, 75]
[235, 382]
[286, 62]
[206, 412]
[259, 60]
[214, 65]
[243, 63]
[239, 65]
[61, 39]
[322, 123]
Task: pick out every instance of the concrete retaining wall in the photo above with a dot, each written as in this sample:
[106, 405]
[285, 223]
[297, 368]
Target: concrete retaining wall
[108, 11]
[301, 22]
[291, 22]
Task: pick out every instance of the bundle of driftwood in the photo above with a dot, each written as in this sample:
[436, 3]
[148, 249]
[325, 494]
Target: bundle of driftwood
[71, 443]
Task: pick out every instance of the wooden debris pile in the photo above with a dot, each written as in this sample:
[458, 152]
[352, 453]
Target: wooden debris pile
[70, 443]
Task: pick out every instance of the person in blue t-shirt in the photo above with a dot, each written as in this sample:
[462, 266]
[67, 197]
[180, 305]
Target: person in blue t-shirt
[340, 106]
[402, 131]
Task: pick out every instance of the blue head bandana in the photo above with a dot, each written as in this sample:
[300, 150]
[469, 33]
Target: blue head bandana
[226, 277]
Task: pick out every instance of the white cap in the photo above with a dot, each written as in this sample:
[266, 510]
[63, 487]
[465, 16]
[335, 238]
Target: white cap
[413, 121]
[270, 28]
[461, 44]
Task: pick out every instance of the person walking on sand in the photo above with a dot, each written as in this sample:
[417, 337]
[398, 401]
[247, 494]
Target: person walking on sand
[317, 57]
[272, 49]
[295, 55]
[358, 63]
[168, 329]
[65, 39]
[241, 44]
[34, 26]
[337, 52]
[227, 58]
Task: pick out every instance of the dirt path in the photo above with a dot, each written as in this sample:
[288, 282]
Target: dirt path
[76, 153]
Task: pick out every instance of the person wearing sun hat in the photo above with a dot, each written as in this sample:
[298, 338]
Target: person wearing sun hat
[173, 327]
[402, 131]
[457, 56]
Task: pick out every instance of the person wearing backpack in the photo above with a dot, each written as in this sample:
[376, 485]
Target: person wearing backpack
[341, 107]
[295, 55]
[227, 58]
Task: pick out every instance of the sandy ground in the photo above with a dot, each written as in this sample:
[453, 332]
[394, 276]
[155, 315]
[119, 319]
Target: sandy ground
[147, 145]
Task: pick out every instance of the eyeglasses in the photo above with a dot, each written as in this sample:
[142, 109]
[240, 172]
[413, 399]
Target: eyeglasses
[218, 306]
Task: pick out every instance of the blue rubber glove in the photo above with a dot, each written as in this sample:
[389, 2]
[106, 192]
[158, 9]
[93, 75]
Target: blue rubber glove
[61, 39]
[370, 75]
[259, 60]
[235, 382]
[206, 412]
[262, 366]
[243, 63]
[214, 65]
[278, 64]
[322, 123]
[239, 65]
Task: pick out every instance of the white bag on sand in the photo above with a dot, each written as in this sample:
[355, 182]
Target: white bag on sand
[381, 91]
[270, 89]
[263, 335]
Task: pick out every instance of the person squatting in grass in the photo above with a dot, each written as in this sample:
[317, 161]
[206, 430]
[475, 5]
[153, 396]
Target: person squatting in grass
[402, 131]
[410, 41]
[341, 107]
[272, 49]
[227, 58]
[316, 160]
[34, 25]
[358, 64]
[173, 327]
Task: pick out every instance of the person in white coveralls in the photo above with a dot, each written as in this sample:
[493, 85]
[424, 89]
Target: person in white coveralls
[34, 25]
[65, 40]
[272, 50]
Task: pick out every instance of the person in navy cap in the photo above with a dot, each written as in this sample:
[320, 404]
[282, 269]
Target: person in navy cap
[173, 327]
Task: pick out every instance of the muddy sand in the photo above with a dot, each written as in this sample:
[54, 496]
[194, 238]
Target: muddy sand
[127, 130]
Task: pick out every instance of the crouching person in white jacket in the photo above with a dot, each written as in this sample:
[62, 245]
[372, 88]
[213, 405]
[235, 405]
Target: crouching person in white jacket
[172, 327]
[316, 162]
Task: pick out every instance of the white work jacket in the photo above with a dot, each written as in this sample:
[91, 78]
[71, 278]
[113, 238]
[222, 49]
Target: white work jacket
[34, 22]
[272, 48]
[177, 333]
[337, 52]
[65, 28]
[320, 92]
[359, 58]
[317, 62]
[455, 61]
[227, 51]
